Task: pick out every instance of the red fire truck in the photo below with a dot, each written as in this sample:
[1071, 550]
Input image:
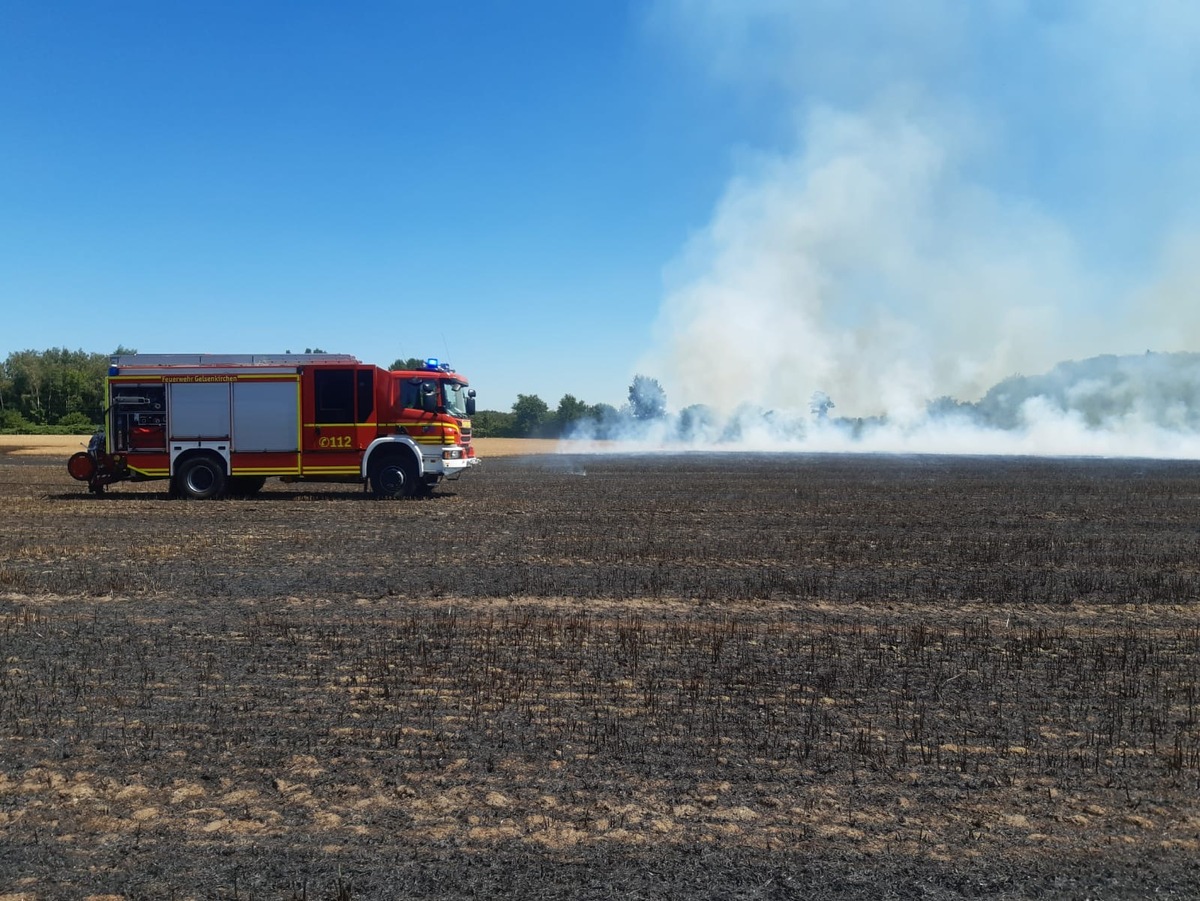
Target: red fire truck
[219, 425]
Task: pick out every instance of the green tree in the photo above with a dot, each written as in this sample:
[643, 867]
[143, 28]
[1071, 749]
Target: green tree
[697, 423]
[13, 423]
[407, 364]
[53, 387]
[76, 422]
[606, 420]
[492, 424]
[529, 413]
[27, 377]
[647, 399]
[570, 411]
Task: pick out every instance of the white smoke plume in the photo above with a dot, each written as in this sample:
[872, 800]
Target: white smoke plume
[866, 267]
[972, 191]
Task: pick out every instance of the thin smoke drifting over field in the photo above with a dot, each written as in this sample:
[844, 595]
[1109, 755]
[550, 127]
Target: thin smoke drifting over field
[942, 218]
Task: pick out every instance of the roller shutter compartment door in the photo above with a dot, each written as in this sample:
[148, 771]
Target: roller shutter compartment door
[199, 411]
[266, 416]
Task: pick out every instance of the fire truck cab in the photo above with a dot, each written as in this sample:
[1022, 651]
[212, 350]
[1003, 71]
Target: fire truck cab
[219, 425]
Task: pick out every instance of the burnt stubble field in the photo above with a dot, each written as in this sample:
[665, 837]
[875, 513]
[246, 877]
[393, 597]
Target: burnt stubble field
[631, 676]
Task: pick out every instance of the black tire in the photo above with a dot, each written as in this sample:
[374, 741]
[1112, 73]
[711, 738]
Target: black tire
[246, 486]
[201, 478]
[395, 476]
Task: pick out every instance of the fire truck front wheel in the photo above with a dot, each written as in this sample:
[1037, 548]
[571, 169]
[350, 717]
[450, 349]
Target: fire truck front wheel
[395, 476]
[200, 478]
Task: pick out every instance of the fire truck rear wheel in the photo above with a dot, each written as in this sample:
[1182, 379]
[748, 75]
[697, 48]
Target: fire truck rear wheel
[395, 476]
[200, 478]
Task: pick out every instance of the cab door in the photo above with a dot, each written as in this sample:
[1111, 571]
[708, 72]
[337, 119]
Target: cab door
[336, 399]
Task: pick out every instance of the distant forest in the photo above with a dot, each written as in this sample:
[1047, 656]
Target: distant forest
[56, 391]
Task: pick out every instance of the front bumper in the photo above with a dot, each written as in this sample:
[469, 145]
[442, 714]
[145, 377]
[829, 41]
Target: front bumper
[450, 462]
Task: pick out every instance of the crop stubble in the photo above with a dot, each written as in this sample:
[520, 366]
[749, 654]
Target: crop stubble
[574, 676]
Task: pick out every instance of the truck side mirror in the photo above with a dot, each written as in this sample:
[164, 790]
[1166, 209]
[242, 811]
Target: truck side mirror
[471, 402]
[428, 397]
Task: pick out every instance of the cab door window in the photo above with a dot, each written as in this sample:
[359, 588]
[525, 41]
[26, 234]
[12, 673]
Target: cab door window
[334, 390]
[366, 394]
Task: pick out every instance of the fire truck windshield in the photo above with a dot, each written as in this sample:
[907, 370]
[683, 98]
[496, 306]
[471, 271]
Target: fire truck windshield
[454, 399]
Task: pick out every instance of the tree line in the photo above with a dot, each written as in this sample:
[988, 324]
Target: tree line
[62, 391]
[55, 390]
[531, 417]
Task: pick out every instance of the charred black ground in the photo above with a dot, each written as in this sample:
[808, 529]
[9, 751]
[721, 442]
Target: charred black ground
[721, 676]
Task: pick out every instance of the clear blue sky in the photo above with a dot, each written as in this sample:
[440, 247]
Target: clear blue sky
[552, 194]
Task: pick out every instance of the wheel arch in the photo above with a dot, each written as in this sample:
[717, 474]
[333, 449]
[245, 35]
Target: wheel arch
[181, 451]
[381, 447]
[179, 459]
[192, 461]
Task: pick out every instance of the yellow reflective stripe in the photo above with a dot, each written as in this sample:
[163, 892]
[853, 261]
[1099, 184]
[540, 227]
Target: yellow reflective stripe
[150, 473]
